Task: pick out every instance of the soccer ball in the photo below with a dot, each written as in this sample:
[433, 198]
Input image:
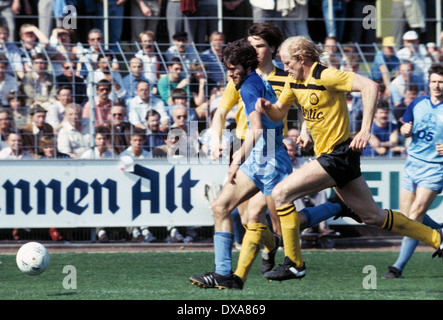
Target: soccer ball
[32, 258]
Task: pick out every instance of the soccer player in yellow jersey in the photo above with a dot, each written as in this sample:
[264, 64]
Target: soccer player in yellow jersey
[265, 38]
[319, 93]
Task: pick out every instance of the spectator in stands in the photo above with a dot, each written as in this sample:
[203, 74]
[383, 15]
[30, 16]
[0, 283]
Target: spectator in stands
[142, 103]
[177, 22]
[202, 90]
[104, 71]
[120, 129]
[168, 148]
[172, 80]
[48, 149]
[36, 128]
[39, 84]
[154, 136]
[8, 83]
[33, 41]
[101, 145]
[385, 64]
[179, 97]
[89, 56]
[405, 77]
[187, 131]
[355, 109]
[433, 52]
[12, 53]
[181, 50]
[6, 127]
[73, 137]
[20, 111]
[332, 55]
[56, 111]
[135, 149]
[135, 75]
[144, 8]
[416, 53]
[293, 134]
[411, 92]
[14, 150]
[68, 77]
[225, 141]
[212, 57]
[336, 23]
[102, 102]
[149, 56]
[62, 48]
[384, 134]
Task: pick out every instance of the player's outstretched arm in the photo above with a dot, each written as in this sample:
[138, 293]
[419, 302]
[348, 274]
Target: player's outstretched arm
[217, 126]
[276, 112]
[369, 93]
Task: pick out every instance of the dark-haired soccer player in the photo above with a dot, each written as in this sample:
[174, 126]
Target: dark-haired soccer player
[423, 172]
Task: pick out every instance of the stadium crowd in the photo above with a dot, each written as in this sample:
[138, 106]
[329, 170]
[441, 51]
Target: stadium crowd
[63, 98]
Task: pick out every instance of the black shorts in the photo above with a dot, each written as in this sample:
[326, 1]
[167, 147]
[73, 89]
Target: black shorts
[342, 164]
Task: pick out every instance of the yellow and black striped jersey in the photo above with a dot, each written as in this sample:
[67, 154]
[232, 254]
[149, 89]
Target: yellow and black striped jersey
[322, 98]
[231, 97]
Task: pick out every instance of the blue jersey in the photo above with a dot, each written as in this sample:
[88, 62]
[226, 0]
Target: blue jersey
[253, 88]
[269, 162]
[427, 128]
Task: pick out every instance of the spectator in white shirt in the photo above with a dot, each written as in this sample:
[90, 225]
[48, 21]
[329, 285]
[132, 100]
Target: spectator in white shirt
[416, 53]
[56, 111]
[149, 56]
[15, 148]
[73, 135]
[101, 149]
[136, 149]
[142, 103]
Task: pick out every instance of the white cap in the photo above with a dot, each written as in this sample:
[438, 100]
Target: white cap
[410, 35]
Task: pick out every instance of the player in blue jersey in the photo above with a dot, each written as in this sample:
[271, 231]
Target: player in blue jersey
[260, 163]
[423, 172]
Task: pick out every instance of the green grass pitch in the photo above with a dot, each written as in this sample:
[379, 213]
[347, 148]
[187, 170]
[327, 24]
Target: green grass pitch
[332, 275]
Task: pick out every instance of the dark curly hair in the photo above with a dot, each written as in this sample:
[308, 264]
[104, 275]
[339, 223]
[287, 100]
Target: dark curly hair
[436, 68]
[268, 32]
[240, 52]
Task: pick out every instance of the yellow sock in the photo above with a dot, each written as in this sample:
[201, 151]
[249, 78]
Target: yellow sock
[268, 239]
[399, 223]
[251, 245]
[290, 228]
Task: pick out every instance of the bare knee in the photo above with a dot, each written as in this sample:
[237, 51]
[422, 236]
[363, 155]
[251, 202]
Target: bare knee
[218, 210]
[279, 196]
[375, 219]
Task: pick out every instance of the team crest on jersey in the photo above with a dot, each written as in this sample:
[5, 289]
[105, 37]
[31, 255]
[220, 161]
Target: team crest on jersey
[313, 99]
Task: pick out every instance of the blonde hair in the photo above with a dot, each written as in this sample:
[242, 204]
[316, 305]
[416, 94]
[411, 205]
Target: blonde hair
[301, 46]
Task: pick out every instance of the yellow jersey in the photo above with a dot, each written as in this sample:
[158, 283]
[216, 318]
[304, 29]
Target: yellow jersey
[231, 97]
[322, 98]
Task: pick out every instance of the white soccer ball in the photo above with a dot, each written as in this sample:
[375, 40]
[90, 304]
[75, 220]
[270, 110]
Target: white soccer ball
[32, 258]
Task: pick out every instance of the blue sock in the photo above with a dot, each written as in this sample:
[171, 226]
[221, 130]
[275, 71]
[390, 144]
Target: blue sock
[223, 242]
[408, 245]
[315, 215]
